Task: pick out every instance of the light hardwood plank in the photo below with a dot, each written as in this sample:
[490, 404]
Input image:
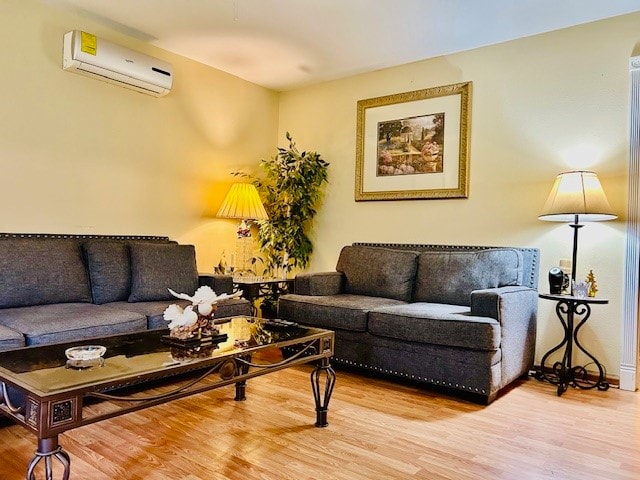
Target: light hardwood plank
[377, 430]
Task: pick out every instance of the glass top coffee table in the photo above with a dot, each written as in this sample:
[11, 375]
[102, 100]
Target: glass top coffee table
[48, 394]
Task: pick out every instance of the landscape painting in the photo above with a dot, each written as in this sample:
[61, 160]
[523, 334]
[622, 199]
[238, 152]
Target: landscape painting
[411, 146]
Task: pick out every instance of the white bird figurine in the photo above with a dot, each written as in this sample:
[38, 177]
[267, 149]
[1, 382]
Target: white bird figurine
[177, 317]
[204, 298]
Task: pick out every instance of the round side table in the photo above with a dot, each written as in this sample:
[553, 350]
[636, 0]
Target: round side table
[564, 373]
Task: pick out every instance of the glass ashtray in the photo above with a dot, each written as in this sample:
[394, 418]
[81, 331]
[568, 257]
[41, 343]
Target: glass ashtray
[88, 356]
[85, 352]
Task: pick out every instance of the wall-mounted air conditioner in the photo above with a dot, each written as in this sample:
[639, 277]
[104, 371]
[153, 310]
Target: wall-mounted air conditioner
[87, 55]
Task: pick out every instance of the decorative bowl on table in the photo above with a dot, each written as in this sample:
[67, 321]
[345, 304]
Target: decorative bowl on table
[85, 356]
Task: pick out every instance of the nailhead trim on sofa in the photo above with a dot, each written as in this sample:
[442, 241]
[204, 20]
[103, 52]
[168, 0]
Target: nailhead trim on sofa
[405, 375]
[83, 236]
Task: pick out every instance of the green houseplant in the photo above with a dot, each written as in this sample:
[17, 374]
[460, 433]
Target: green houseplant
[291, 189]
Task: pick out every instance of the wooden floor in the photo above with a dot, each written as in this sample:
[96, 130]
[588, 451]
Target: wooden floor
[378, 430]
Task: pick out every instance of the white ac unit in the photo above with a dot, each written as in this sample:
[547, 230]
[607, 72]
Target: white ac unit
[85, 54]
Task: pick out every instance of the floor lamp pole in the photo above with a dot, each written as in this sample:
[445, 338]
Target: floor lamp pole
[575, 225]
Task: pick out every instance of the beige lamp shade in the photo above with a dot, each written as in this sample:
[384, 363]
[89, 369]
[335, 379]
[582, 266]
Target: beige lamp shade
[577, 196]
[243, 202]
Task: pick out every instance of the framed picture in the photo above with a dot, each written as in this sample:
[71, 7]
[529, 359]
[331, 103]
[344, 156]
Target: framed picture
[414, 145]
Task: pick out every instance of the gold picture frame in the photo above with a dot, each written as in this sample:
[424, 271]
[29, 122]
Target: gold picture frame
[414, 145]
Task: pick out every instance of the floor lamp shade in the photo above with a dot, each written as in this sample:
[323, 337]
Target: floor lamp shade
[243, 202]
[576, 196]
[577, 193]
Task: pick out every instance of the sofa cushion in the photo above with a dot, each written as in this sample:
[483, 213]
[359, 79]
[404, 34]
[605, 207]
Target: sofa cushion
[378, 272]
[450, 277]
[38, 271]
[109, 270]
[344, 312]
[62, 322]
[10, 339]
[319, 283]
[438, 324]
[154, 310]
[157, 267]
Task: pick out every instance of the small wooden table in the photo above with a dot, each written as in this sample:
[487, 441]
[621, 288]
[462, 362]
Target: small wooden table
[564, 373]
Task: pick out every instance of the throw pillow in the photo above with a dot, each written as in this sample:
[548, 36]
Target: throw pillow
[450, 277]
[157, 267]
[42, 271]
[378, 272]
[109, 270]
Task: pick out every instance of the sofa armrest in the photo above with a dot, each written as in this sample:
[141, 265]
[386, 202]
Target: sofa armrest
[322, 283]
[488, 302]
[516, 309]
[218, 283]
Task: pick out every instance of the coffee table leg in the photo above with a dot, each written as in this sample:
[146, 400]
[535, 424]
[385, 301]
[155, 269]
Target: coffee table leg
[47, 449]
[241, 387]
[322, 404]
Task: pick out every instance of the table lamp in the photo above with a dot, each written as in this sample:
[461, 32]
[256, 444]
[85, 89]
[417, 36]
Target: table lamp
[576, 196]
[243, 202]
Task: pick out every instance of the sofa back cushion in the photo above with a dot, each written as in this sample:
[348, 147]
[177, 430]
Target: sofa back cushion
[157, 267]
[450, 277]
[38, 271]
[109, 270]
[378, 272]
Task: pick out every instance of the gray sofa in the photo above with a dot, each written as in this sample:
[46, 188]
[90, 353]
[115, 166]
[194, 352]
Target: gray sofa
[59, 288]
[460, 317]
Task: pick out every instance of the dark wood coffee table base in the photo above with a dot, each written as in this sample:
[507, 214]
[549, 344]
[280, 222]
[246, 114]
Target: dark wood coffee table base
[48, 448]
[50, 413]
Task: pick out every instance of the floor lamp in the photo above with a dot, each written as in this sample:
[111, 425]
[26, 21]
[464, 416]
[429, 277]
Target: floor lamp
[243, 202]
[576, 196]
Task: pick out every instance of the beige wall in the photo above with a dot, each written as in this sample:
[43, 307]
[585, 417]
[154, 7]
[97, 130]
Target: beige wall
[534, 101]
[82, 156]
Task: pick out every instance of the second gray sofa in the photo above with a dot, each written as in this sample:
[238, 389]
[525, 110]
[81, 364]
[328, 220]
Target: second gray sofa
[460, 317]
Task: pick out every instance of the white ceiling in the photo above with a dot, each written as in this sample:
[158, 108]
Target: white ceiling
[284, 44]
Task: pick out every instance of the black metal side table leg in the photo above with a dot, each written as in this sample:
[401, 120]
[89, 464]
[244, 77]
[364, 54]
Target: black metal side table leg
[542, 374]
[563, 369]
[562, 372]
[559, 369]
[322, 404]
[48, 448]
[580, 373]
